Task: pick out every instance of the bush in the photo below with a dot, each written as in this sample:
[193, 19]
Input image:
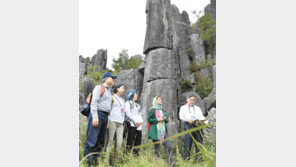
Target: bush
[124, 62]
[186, 85]
[203, 86]
[208, 33]
[204, 64]
[190, 53]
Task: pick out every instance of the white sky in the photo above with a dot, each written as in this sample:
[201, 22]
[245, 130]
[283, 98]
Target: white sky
[119, 24]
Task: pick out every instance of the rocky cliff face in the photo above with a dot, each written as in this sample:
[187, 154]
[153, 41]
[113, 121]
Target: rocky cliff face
[211, 9]
[166, 63]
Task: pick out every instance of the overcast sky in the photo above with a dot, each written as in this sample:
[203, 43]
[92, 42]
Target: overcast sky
[116, 24]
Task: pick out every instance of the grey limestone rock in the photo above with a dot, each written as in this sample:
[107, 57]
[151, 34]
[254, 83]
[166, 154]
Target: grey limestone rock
[87, 86]
[131, 79]
[100, 59]
[166, 89]
[82, 69]
[160, 64]
[198, 49]
[210, 101]
[158, 30]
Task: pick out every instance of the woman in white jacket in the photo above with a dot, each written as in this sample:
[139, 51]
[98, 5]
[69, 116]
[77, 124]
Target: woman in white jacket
[116, 119]
[135, 117]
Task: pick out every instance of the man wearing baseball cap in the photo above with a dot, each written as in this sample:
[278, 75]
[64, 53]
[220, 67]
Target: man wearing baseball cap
[98, 119]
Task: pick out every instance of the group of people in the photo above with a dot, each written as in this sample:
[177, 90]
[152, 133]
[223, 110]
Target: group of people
[111, 112]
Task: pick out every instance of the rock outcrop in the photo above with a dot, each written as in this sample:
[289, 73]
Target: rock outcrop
[99, 59]
[211, 9]
[210, 132]
[166, 42]
[131, 79]
[159, 29]
[87, 86]
[170, 49]
[210, 101]
[198, 49]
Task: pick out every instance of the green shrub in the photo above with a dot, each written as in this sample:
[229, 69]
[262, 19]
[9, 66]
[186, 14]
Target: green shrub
[193, 67]
[124, 62]
[186, 85]
[203, 86]
[95, 75]
[208, 33]
[190, 53]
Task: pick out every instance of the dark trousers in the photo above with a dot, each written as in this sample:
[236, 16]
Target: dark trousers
[134, 137]
[95, 138]
[168, 148]
[188, 140]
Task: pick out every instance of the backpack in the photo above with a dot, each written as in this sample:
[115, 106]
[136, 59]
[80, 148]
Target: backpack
[85, 109]
[148, 124]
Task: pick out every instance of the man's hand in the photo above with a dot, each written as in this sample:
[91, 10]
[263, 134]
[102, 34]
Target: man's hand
[95, 122]
[190, 121]
[139, 124]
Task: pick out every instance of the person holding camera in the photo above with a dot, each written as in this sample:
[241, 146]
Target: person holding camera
[192, 116]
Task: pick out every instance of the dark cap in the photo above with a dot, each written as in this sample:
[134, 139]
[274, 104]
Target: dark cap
[108, 74]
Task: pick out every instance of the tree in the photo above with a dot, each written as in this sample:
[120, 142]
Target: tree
[124, 62]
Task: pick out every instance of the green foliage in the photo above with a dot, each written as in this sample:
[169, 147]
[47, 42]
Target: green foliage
[190, 53]
[193, 67]
[147, 158]
[203, 85]
[95, 75]
[186, 85]
[204, 64]
[124, 62]
[208, 33]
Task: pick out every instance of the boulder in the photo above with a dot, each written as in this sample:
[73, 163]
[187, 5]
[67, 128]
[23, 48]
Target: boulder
[81, 59]
[131, 79]
[210, 132]
[100, 59]
[87, 86]
[192, 79]
[139, 57]
[198, 49]
[210, 101]
[205, 73]
[158, 29]
[82, 69]
[141, 68]
[166, 89]
[160, 64]
[182, 100]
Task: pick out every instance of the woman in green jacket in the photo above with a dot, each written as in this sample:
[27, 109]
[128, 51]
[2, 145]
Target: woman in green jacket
[157, 118]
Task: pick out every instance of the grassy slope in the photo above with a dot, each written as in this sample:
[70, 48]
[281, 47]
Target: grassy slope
[146, 157]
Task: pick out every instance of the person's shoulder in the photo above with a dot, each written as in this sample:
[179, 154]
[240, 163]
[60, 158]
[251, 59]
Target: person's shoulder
[197, 107]
[183, 106]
